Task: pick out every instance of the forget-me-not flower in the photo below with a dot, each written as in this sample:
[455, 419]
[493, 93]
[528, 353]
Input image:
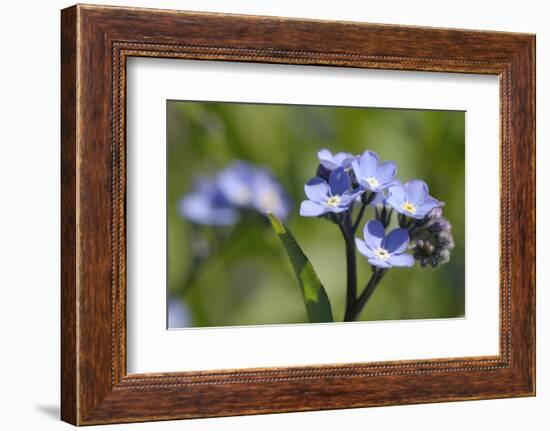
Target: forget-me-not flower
[337, 160]
[384, 251]
[371, 174]
[412, 199]
[328, 162]
[268, 195]
[246, 185]
[240, 186]
[207, 205]
[335, 196]
[234, 182]
[178, 314]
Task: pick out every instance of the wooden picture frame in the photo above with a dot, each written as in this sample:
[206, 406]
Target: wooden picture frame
[95, 43]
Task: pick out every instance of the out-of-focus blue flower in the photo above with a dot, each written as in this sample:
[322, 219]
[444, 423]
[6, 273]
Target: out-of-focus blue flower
[248, 186]
[384, 251]
[333, 161]
[268, 195]
[178, 314]
[373, 175]
[412, 199]
[234, 182]
[207, 205]
[333, 197]
[239, 186]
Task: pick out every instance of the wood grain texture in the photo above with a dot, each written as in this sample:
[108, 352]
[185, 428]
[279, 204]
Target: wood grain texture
[96, 41]
[68, 218]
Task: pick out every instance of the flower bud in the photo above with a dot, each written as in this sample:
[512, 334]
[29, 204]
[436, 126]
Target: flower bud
[323, 172]
[431, 239]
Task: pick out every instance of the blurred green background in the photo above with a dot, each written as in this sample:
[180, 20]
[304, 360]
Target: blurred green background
[250, 280]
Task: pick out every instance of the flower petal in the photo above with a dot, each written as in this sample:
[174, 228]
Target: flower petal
[338, 209]
[339, 181]
[417, 191]
[368, 164]
[269, 196]
[426, 207]
[311, 209]
[349, 197]
[397, 241]
[324, 154]
[202, 209]
[204, 185]
[234, 183]
[373, 233]
[356, 170]
[401, 260]
[316, 189]
[363, 249]
[385, 173]
[396, 196]
[327, 159]
[343, 159]
[380, 263]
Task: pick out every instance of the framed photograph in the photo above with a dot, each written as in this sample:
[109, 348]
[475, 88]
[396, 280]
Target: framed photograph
[266, 215]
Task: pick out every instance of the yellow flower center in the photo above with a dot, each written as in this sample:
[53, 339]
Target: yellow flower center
[333, 201]
[381, 253]
[373, 182]
[407, 206]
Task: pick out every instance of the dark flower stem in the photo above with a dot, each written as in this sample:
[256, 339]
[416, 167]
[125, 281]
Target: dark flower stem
[365, 295]
[354, 304]
[351, 264]
[359, 217]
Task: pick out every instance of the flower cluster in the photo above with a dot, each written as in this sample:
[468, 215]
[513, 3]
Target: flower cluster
[220, 200]
[344, 180]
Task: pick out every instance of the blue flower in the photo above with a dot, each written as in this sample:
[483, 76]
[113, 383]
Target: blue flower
[333, 197]
[240, 186]
[372, 175]
[384, 251]
[268, 195]
[234, 183]
[178, 314]
[207, 205]
[412, 199]
[333, 161]
[329, 162]
[248, 186]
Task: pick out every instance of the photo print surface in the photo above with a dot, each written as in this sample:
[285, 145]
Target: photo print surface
[291, 214]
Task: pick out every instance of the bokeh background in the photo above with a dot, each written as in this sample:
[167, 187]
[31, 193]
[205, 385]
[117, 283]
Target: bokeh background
[249, 280]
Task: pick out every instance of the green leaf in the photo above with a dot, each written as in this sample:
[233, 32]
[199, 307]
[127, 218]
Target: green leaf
[315, 296]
